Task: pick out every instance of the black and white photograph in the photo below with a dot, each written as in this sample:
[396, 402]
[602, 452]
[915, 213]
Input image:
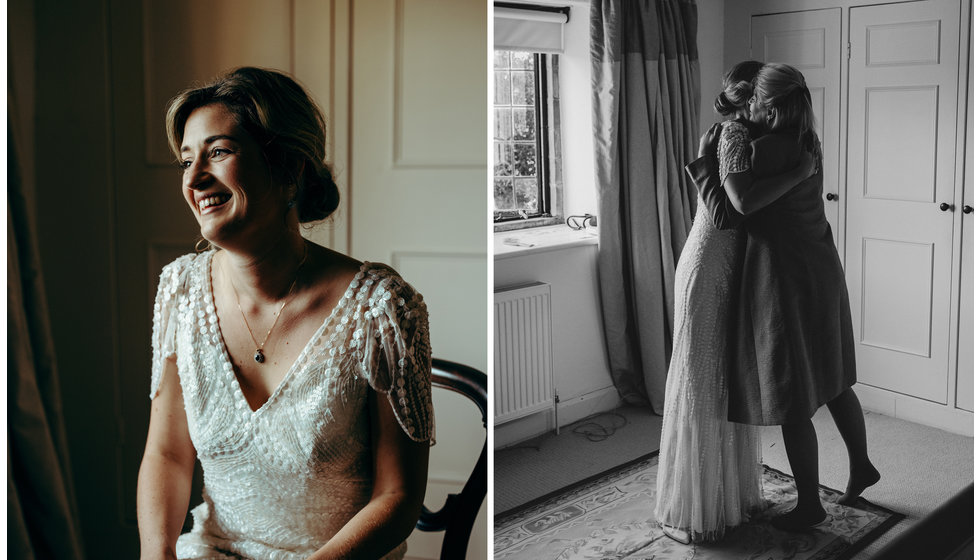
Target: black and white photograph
[733, 290]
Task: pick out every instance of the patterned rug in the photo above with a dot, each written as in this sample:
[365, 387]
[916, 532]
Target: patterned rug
[610, 516]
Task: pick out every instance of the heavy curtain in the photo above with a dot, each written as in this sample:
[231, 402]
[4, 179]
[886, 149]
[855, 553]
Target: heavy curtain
[42, 518]
[645, 115]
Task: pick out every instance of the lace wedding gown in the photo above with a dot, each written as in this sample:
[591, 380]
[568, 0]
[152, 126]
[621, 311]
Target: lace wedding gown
[709, 477]
[281, 480]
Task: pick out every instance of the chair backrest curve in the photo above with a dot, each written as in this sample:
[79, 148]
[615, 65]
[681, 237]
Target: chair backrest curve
[458, 514]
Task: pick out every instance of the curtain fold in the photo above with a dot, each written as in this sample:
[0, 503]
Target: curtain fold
[646, 94]
[42, 518]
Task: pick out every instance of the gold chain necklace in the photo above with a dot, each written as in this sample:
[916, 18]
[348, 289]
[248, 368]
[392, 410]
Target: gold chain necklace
[259, 356]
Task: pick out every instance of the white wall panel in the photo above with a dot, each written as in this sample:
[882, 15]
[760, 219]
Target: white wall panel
[897, 315]
[187, 41]
[901, 143]
[804, 48]
[903, 44]
[437, 76]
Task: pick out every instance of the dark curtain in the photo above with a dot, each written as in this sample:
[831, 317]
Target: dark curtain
[645, 79]
[42, 518]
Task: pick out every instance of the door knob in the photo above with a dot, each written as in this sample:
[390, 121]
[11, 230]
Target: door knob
[831, 196]
[967, 209]
[944, 206]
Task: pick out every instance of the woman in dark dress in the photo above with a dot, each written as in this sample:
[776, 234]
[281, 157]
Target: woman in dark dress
[793, 339]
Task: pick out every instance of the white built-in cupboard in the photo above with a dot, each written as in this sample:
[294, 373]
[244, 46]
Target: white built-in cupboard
[892, 90]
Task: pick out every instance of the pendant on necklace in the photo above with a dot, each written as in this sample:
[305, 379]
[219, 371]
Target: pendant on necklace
[259, 356]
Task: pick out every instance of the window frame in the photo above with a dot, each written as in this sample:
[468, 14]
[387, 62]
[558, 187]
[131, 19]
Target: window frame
[546, 108]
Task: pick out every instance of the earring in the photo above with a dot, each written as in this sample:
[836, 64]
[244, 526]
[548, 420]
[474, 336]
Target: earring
[200, 248]
[293, 192]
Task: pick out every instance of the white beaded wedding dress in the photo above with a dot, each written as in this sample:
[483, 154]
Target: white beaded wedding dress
[709, 476]
[281, 480]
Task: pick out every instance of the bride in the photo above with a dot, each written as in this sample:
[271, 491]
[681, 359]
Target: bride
[709, 477]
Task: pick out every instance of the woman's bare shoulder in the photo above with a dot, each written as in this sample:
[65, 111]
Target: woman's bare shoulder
[338, 272]
[331, 271]
[337, 260]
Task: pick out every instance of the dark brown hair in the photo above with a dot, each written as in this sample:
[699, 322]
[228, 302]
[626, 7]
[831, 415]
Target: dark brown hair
[738, 85]
[282, 118]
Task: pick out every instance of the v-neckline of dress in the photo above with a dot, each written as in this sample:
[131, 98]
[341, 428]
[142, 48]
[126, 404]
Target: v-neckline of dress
[210, 307]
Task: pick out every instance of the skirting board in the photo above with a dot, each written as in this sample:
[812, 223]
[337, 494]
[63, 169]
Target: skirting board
[915, 410]
[570, 410]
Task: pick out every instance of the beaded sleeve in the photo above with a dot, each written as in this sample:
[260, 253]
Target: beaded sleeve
[397, 358]
[733, 149]
[164, 338]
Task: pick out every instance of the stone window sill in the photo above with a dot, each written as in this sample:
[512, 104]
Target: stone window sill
[507, 244]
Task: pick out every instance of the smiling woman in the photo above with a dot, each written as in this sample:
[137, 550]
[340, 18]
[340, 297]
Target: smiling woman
[298, 376]
[226, 180]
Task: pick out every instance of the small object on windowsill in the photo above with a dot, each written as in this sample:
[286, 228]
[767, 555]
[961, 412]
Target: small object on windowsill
[517, 242]
[581, 222]
[504, 215]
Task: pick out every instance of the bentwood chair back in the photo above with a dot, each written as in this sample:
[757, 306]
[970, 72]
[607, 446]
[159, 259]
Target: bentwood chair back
[458, 514]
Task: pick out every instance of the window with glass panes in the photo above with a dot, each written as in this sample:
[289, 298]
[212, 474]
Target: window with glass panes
[519, 186]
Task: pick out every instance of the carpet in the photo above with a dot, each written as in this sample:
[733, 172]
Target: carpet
[610, 516]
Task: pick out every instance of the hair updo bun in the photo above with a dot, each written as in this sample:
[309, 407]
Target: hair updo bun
[282, 118]
[317, 196]
[737, 87]
[734, 97]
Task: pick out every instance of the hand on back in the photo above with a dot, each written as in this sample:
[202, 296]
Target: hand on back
[709, 141]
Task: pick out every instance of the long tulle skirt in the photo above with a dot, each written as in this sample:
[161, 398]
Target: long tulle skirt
[709, 477]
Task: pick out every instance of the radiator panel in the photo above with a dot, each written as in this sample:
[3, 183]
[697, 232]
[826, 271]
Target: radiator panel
[522, 367]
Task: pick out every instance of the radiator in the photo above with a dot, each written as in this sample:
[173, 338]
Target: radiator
[523, 379]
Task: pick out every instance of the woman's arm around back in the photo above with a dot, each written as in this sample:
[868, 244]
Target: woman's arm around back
[765, 181]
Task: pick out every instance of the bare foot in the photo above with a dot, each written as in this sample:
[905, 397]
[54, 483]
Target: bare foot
[800, 519]
[859, 480]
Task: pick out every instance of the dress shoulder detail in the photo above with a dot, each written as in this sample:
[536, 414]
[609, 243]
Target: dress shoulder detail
[174, 284]
[733, 149]
[392, 337]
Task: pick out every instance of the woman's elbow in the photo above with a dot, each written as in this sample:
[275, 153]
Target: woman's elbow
[742, 205]
[405, 516]
[404, 507]
[738, 187]
[411, 506]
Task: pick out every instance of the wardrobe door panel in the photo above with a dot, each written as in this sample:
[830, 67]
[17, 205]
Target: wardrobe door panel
[901, 158]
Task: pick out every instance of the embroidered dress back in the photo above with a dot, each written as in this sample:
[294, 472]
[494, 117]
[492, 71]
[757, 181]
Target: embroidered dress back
[282, 480]
[708, 478]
